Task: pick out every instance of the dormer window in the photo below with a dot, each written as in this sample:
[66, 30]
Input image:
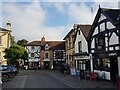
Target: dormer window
[46, 47]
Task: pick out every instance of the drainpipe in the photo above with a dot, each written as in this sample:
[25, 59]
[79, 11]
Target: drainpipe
[91, 62]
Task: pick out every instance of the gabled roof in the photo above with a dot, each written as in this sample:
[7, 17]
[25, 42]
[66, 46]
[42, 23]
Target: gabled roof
[52, 44]
[34, 43]
[111, 14]
[3, 29]
[72, 30]
[85, 29]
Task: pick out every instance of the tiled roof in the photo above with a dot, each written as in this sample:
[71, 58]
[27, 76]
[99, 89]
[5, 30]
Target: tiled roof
[3, 29]
[112, 13]
[34, 43]
[71, 31]
[85, 29]
[52, 44]
[55, 44]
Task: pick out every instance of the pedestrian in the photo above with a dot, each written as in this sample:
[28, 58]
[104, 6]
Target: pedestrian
[62, 69]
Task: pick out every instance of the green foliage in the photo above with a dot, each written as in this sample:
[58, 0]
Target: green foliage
[14, 53]
[22, 42]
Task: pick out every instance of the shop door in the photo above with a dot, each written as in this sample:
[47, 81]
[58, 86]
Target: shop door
[113, 69]
[46, 64]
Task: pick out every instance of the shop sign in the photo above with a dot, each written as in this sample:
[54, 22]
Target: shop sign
[112, 54]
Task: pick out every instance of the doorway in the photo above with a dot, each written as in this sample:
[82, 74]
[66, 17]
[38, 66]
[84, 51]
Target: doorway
[113, 68]
[46, 64]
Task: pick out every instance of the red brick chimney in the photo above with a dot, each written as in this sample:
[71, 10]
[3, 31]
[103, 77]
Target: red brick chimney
[43, 40]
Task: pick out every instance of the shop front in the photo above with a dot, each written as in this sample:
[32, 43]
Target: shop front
[107, 63]
[82, 64]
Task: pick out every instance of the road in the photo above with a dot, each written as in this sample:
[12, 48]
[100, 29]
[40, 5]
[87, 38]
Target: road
[52, 79]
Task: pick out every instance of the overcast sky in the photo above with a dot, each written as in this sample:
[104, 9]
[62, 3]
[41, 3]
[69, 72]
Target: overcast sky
[32, 19]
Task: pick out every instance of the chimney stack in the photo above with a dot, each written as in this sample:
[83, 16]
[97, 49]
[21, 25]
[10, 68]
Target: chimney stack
[9, 25]
[43, 40]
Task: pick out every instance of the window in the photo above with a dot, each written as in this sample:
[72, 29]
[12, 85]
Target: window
[0, 40]
[58, 54]
[46, 55]
[100, 43]
[32, 47]
[106, 64]
[78, 32]
[32, 54]
[103, 64]
[80, 46]
[46, 47]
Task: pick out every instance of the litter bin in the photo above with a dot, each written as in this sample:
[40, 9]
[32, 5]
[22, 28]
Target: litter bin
[78, 73]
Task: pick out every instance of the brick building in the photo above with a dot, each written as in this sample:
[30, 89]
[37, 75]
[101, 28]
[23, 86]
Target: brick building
[49, 54]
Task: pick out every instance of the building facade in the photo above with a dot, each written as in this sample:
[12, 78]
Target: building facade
[5, 41]
[33, 49]
[46, 54]
[52, 53]
[69, 45]
[104, 43]
[81, 48]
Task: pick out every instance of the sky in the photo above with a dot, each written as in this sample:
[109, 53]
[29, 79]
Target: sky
[32, 19]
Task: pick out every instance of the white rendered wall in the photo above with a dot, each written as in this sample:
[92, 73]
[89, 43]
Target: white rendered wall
[84, 43]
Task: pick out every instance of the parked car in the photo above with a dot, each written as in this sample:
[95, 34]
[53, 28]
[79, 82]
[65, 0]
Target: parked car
[4, 73]
[14, 69]
[6, 68]
[5, 76]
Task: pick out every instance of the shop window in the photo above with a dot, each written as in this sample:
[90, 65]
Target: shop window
[106, 64]
[97, 64]
[102, 64]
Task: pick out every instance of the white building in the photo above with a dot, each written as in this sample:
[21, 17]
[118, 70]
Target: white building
[33, 49]
[81, 48]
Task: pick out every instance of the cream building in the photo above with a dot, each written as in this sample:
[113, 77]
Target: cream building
[5, 41]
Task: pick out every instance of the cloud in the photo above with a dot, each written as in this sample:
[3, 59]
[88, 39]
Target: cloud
[28, 22]
[28, 19]
[80, 13]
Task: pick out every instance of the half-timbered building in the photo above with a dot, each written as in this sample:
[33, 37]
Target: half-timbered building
[33, 49]
[104, 43]
[45, 54]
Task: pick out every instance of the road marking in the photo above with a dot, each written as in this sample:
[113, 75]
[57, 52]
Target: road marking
[23, 82]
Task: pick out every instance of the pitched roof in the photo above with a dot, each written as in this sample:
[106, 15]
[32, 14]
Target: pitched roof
[85, 29]
[111, 14]
[3, 29]
[72, 30]
[55, 44]
[34, 43]
[52, 44]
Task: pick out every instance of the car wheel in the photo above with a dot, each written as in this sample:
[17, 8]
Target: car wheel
[5, 78]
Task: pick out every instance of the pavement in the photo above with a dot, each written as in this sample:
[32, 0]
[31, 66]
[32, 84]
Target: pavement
[53, 79]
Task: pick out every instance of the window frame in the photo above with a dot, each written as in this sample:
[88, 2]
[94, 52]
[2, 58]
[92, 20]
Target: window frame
[80, 46]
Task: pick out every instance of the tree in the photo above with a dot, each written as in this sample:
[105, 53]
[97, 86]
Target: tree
[22, 42]
[14, 53]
